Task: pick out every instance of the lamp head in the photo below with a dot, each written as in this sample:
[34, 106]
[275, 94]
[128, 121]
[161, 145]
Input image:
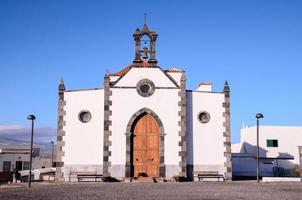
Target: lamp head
[31, 117]
[259, 115]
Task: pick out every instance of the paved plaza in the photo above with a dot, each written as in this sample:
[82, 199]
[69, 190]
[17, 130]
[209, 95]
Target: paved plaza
[190, 190]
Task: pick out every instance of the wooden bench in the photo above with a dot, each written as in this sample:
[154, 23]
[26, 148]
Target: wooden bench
[202, 175]
[89, 176]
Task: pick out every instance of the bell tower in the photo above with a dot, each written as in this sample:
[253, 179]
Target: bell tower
[145, 45]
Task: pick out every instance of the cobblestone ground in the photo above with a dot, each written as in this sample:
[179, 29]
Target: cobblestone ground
[203, 190]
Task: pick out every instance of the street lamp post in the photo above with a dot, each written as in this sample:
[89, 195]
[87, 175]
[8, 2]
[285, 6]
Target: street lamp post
[52, 147]
[258, 116]
[32, 118]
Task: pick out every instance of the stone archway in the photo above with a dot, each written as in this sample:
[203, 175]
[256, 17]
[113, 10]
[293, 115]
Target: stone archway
[129, 142]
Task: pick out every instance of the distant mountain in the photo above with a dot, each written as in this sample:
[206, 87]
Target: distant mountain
[12, 142]
[45, 148]
[6, 142]
[22, 134]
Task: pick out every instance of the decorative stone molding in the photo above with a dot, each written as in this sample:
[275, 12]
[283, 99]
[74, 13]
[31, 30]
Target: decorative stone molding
[182, 114]
[60, 133]
[107, 124]
[129, 138]
[145, 88]
[137, 35]
[227, 133]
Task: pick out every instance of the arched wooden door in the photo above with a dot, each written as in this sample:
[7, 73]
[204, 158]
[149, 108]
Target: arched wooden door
[146, 147]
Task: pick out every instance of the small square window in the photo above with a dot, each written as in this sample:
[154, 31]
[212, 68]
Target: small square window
[272, 143]
[6, 166]
[26, 165]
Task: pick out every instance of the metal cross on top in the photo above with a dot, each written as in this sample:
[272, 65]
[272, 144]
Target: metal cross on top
[147, 49]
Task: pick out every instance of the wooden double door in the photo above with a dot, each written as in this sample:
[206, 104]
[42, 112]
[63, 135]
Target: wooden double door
[146, 153]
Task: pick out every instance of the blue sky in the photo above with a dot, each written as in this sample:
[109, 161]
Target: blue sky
[254, 44]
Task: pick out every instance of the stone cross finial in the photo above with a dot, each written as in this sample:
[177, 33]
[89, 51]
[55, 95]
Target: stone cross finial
[226, 87]
[61, 85]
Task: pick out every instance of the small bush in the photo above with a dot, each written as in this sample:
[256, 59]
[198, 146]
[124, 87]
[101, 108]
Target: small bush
[297, 171]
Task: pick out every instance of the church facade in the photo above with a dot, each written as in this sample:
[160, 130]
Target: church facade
[144, 121]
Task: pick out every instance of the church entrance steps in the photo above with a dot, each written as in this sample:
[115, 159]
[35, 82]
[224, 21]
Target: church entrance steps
[143, 180]
[159, 180]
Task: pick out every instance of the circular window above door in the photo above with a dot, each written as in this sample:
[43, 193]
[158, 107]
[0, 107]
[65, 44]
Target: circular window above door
[145, 88]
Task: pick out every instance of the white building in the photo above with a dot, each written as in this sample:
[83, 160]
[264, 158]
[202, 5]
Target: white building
[12, 159]
[144, 121]
[17, 159]
[280, 151]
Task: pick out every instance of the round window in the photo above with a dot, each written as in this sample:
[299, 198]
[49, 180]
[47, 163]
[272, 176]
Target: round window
[204, 117]
[145, 88]
[84, 116]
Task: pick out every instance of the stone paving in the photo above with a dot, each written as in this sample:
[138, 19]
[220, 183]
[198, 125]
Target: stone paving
[189, 190]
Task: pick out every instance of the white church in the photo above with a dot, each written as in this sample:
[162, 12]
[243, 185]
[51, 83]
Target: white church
[144, 121]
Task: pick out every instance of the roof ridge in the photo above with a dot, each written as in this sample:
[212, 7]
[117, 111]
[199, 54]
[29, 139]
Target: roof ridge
[174, 69]
[126, 69]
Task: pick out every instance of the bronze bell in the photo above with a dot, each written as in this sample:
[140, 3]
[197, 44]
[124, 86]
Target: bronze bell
[145, 53]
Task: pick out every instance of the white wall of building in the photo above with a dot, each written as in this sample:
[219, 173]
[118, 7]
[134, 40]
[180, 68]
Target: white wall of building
[126, 102]
[289, 138]
[38, 162]
[83, 141]
[206, 141]
[41, 162]
[176, 76]
[13, 158]
[205, 87]
[136, 74]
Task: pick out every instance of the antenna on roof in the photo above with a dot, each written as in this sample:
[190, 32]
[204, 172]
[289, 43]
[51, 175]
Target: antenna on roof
[145, 18]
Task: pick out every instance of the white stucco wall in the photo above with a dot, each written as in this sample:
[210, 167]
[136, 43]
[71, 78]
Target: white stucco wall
[136, 74]
[83, 141]
[126, 102]
[206, 141]
[204, 87]
[176, 76]
[38, 162]
[13, 158]
[114, 78]
[289, 138]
